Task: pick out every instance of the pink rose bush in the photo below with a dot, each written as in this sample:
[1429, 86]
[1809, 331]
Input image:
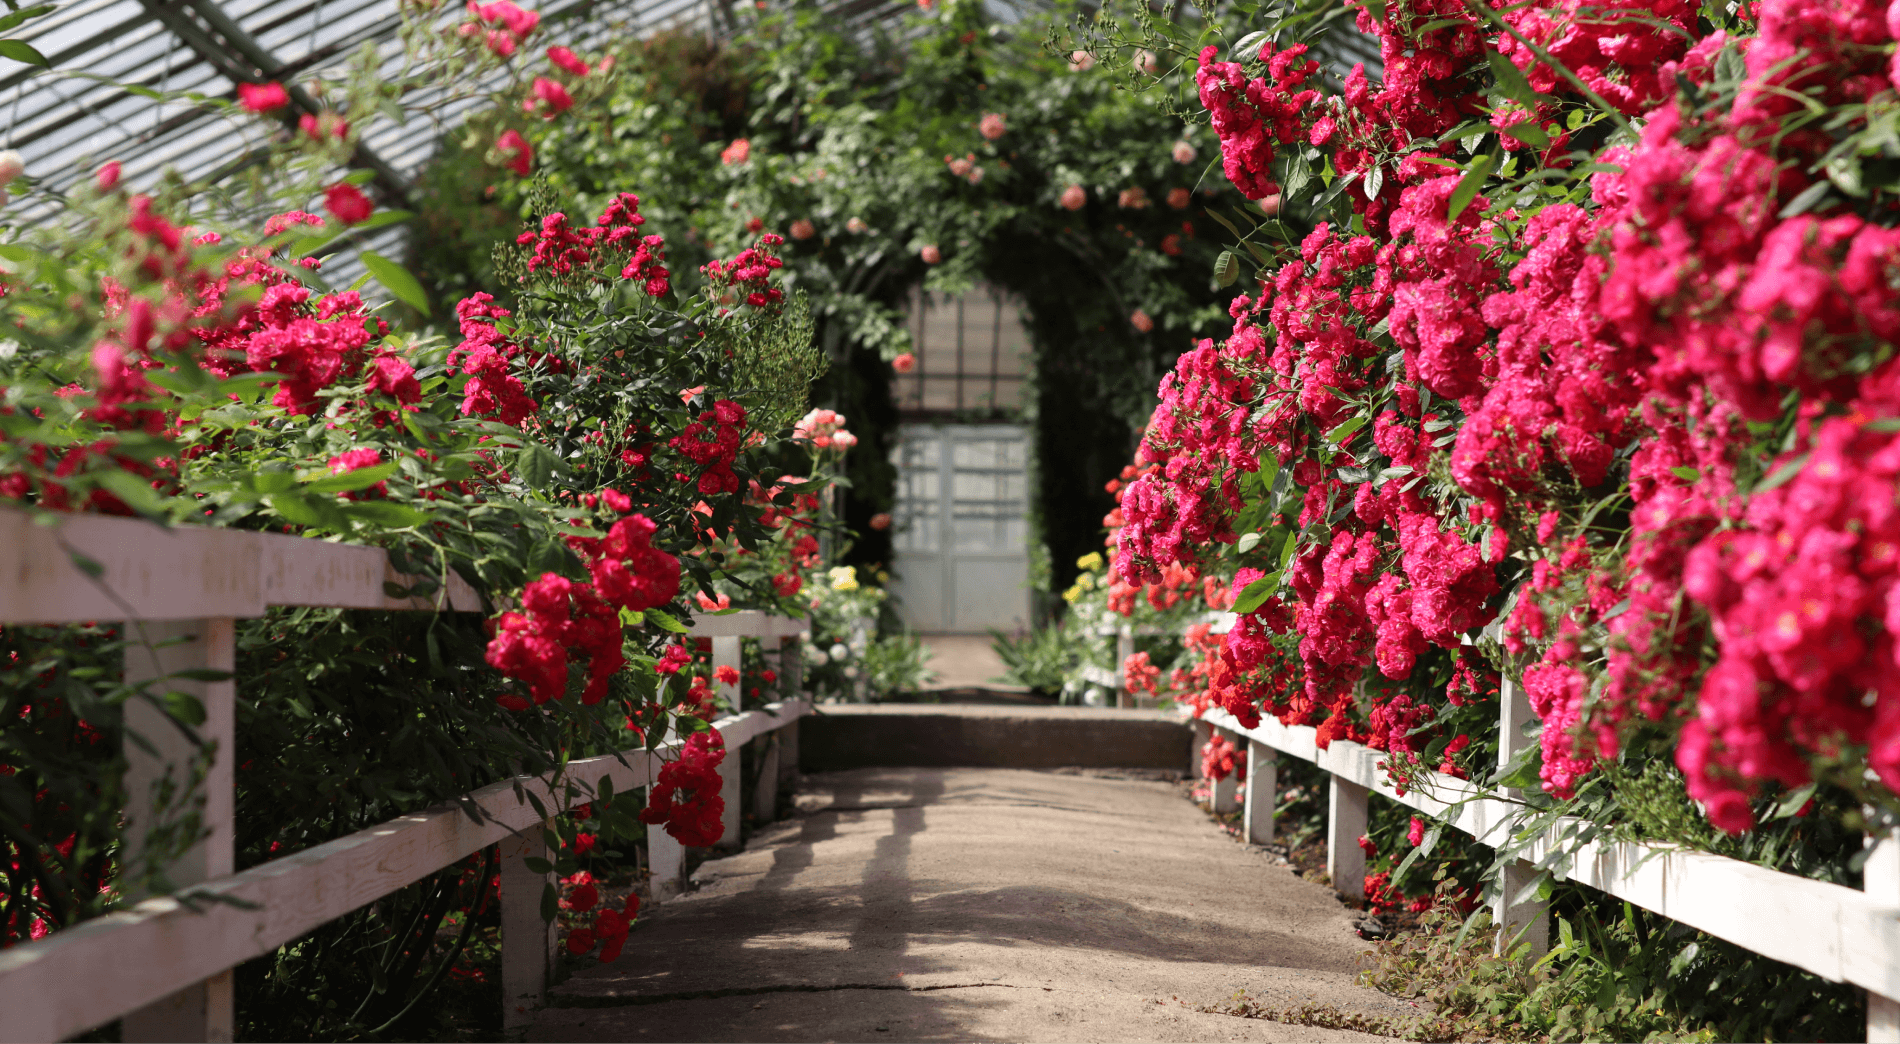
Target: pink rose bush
[1650, 424]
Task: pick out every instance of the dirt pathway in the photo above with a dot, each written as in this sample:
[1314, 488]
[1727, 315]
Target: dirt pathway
[976, 904]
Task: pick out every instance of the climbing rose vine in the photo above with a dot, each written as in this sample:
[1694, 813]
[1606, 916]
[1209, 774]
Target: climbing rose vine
[1578, 319]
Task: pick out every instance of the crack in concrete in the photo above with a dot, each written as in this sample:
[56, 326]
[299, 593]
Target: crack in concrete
[572, 1001]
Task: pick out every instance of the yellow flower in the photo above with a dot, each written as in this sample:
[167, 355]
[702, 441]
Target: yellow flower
[1085, 582]
[1091, 561]
[844, 578]
[1072, 594]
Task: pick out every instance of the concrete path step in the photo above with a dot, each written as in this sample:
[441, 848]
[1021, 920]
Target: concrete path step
[916, 904]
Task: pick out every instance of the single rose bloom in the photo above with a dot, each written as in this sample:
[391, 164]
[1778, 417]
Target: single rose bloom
[737, 152]
[992, 126]
[262, 97]
[881, 521]
[1133, 198]
[930, 254]
[1184, 153]
[1074, 198]
[975, 177]
[567, 61]
[550, 99]
[754, 225]
[1146, 61]
[1081, 61]
[1141, 321]
[347, 203]
[1179, 198]
[904, 363]
[1270, 203]
[12, 165]
[1171, 244]
[515, 152]
[856, 225]
[803, 229]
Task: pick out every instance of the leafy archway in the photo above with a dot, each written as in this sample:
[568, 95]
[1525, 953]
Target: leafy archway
[951, 151]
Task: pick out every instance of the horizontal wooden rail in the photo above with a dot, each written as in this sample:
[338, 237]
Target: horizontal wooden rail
[148, 572]
[90, 974]
[1836, 932]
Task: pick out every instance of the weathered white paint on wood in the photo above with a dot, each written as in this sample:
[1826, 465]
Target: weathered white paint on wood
[48, 988]
[765, 791]
[747, 623]
[202, 1010]
[527, 941]
[1346, 803]
[151, 573]
[1224, 794]
[725, 653]
[1262, 793]
[1835, 932]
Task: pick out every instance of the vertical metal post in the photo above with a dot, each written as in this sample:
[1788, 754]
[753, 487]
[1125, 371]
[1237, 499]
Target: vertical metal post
[1262, 793]
[1527, 922]
[726, 653]
[1345, 825]
[527, 941]
[158, 780]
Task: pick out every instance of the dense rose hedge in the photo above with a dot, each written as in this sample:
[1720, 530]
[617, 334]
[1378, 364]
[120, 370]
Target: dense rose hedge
[1594, 330]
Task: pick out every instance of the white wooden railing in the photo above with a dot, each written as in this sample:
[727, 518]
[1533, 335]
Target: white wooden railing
[164, 964]
[1838, 933]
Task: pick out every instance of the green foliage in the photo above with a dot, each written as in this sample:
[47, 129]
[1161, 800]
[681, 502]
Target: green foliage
[1042, 659]
[1613, 972]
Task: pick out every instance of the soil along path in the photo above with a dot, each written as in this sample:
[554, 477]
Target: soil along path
[977, 904]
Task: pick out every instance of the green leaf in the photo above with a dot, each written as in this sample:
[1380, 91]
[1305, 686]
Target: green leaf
[1344, 429]
[1511, 81]
[1226, 268]
[632, 618]
[398, 280]
[1793, 801]
[300, 509]
[535, 465]
[1256, 593]
[361, 478]
[550, 903]
[386, 513]
[1287, 549]
[1686, 474]
[1884, 424]
[1530, 134]
[538, 865]
[1680, 962]
[273, 480]
[1247, 542]
[1469, 185]
[1805, 200]
[136, 492]
[184, 707]
[17, 17]
[1248, 47]
[1782, 474]
[21, 51]
[665, 621]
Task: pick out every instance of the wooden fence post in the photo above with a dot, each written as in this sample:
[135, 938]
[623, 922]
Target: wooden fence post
[1880, 878]
[527, 941]
[1124, 648]
[731, 791]
[788, 753]
[1527, 922]
[1262, 792]
[1201, 734]
[765, 792]
[726, 653]
[1224, 794]
[1345, 825]
[204, 1010]
[666, 857]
